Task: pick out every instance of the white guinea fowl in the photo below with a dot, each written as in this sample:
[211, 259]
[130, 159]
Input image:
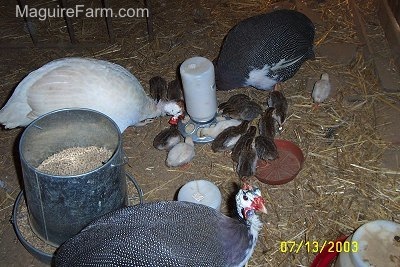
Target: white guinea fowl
[181, 153]
[322, 89]
[83, 83]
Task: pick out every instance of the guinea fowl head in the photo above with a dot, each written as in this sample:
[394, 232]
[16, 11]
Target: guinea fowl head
[249, 200]
[325, 77]
[172, 108]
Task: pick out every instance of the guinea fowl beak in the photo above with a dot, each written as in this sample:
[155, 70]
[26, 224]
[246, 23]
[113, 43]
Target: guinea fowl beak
[246, 185]
[259, 205]
[180, 115]
[173, 120]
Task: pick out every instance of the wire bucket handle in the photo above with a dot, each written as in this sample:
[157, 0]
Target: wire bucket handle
[125, 160]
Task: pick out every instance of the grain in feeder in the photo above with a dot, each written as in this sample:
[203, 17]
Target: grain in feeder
[75, 160]
[61, 205]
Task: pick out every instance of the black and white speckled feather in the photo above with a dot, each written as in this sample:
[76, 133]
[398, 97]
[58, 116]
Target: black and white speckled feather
[263, 50]
[169, 233]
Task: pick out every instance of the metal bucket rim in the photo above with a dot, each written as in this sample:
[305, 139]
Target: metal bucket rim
[38, 253]
[32, 124]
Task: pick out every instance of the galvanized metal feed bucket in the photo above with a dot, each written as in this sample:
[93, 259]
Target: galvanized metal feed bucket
[60, 206]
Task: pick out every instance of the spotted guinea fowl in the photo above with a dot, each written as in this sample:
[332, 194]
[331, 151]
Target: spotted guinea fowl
[83, 83]
[168, 233]
[263, 50]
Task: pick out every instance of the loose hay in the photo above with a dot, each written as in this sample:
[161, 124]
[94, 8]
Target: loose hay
[75, 160]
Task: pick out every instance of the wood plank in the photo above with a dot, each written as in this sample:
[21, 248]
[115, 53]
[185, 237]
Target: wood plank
[391, 28]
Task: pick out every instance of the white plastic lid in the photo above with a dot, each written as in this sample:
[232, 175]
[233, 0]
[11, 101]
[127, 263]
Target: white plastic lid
[201, 192]
[378, 244]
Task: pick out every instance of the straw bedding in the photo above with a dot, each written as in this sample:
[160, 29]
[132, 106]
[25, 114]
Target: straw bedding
[342, 185]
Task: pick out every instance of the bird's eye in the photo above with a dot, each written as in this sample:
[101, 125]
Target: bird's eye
[245, 197]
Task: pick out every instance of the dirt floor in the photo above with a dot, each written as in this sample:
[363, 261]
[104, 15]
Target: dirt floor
[350, 143]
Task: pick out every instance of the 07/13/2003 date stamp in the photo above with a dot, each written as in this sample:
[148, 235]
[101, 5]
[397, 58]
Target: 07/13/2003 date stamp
[317, 247]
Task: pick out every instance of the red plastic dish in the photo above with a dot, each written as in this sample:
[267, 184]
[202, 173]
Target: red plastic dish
[283, 169]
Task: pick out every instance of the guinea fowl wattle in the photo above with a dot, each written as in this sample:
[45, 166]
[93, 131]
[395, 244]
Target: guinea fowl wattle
[169, 233]
[263, 50]
[83, 83]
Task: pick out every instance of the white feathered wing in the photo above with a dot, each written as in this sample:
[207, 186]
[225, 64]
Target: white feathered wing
[79, 83]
